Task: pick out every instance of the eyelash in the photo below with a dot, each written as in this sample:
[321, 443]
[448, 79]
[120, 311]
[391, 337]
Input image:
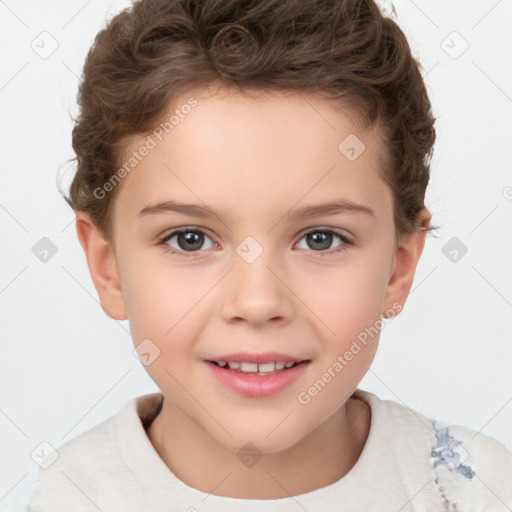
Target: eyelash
[191, 254]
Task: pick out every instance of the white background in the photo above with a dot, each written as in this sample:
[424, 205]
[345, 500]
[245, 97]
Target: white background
[65, 366]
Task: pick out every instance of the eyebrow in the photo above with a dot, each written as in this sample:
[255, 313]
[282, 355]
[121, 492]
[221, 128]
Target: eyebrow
[195, 210]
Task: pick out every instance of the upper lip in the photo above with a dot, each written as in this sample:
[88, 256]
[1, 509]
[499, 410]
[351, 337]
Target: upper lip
[260, 358]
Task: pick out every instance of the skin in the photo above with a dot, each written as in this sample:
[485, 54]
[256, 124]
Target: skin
[255, 158]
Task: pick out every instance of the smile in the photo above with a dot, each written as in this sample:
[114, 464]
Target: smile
[257, 380]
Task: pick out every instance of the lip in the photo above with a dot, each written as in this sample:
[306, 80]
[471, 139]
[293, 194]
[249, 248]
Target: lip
[254, 357]
[258, 386]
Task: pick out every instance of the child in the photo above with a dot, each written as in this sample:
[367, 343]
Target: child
[288, 143]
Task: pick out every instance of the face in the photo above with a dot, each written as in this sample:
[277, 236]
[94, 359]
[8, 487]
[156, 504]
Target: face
[262, 268]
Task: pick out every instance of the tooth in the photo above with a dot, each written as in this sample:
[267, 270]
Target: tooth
[260, 369]
[249, 367]
[266, 367]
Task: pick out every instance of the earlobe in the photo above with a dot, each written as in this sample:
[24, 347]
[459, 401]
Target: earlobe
[102, 267]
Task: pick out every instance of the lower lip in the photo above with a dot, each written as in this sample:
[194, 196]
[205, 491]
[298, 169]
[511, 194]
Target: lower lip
[255, 386]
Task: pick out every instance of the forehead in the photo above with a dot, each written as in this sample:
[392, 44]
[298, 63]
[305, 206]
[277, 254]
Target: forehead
[266, 148]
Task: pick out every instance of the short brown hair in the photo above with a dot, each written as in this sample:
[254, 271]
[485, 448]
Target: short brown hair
[345, 50]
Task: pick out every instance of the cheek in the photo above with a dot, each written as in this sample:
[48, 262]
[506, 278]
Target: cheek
[349, 303]
[169, 309]
[163, 320]
[348, 298]
[157, 298]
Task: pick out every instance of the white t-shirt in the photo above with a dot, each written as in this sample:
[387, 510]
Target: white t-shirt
[408, 463]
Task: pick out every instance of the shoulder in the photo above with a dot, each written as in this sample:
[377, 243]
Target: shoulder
[89, 466]
[465, 467]
[485, 463]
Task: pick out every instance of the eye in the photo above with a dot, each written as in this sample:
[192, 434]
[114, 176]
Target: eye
[191, 240]
[187, 240]
[321, 239]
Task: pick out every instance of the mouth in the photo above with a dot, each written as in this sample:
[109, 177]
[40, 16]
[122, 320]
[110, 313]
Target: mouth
[258, 375]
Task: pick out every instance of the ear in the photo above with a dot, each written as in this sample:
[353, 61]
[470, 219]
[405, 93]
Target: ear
[102, 267]
[406, 258]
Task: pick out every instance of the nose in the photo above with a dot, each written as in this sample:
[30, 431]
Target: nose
[257, 294]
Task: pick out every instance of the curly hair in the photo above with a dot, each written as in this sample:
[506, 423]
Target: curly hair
[348, 51]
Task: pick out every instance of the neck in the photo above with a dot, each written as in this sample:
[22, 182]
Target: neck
[320, 459]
